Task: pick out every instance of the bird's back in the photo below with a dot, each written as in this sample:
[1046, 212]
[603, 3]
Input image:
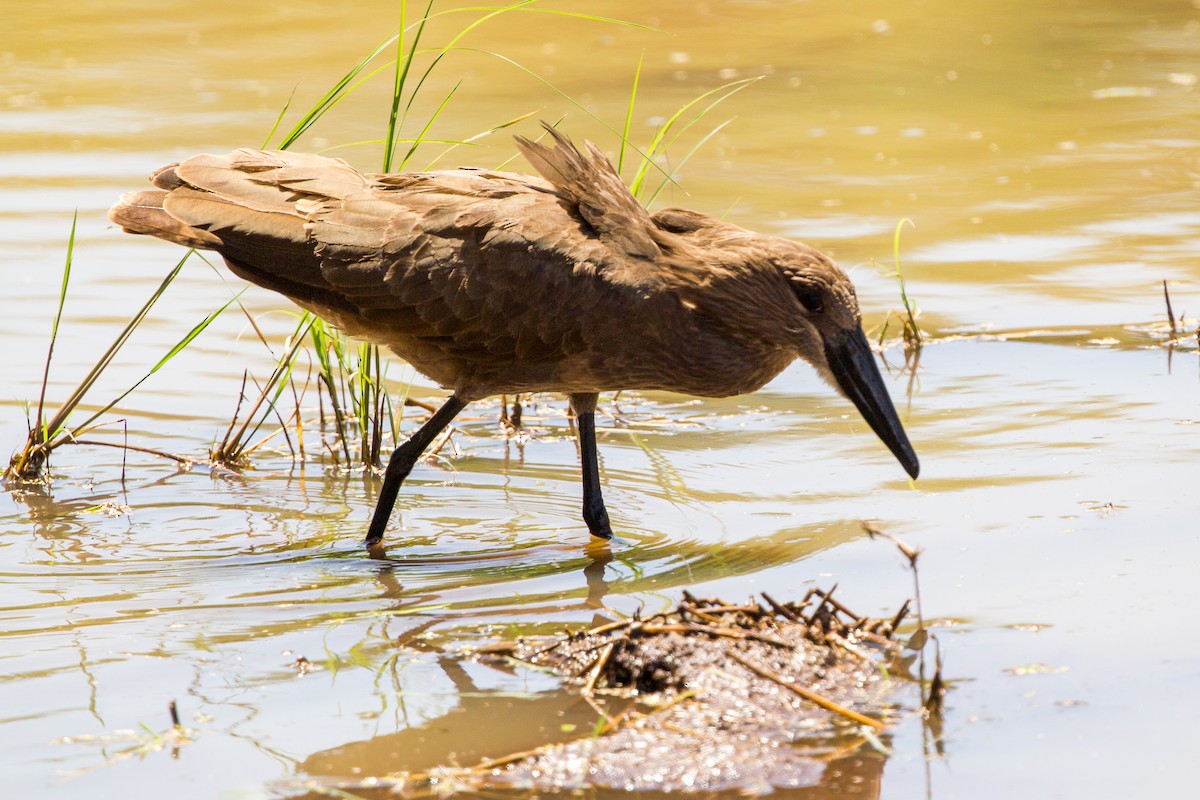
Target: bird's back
[487, 282]
[468, 274]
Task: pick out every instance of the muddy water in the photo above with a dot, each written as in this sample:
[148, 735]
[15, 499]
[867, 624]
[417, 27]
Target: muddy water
[1047, 154]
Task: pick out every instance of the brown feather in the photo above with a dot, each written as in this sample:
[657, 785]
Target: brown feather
[494, 282]
[142, 212]
[590, 186]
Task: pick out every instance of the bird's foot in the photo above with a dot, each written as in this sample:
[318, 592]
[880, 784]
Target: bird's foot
[374, 540]
[596, 518]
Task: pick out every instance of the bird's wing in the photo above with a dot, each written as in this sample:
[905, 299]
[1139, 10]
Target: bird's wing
[482, 265]
[488, 264]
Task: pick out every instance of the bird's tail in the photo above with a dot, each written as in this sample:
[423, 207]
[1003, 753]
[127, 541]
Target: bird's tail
[142, 212]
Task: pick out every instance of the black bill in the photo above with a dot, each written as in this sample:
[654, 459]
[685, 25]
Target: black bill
[853, 365]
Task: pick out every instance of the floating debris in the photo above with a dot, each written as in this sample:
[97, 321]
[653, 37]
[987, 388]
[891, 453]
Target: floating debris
[1035, 669]
[710, 696]
[109, 509]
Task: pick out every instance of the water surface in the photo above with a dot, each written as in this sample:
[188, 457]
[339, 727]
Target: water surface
[1047, 156]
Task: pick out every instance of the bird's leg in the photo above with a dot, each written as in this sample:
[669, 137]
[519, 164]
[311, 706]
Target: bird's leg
[401, 463]
[594, 512]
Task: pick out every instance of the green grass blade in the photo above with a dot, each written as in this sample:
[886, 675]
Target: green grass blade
[471, 140]
[912, 330]
[325, 341]
[566, 97]
[637, 75]
[522, 6]
[492, 13]
[441, 53]
[162, 362]
[592, 18]
[62, 300]
[331, 97]
[401, 72]
[723, 93]
[279, 119]
[412, 96]
[192, 334]
[896, 240]
[381, 397]
[403, 67]
[404, 62]
[452, 46]
[679, 166]
[412, 148]
[64, 411]
[280, 384]
[232, 449]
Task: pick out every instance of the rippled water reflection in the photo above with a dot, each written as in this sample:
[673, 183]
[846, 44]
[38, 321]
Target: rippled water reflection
[1047, 154]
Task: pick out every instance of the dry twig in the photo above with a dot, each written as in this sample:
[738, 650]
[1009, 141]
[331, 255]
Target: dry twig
[808, 694]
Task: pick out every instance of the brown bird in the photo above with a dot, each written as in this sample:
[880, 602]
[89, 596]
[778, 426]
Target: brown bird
[497, 283]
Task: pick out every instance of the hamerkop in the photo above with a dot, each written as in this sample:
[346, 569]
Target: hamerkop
[497, 283]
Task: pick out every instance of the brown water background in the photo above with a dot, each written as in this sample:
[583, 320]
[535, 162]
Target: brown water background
[1047, 155]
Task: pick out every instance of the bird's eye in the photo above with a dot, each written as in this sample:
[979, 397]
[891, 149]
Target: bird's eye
[811, 300]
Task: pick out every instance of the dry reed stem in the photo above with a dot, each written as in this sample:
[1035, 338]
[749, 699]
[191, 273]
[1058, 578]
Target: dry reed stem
[436, 448]
[808, 694]
[597, 668]
[690, 609]
[411, 401]
[755, 610]
[827, 597]
[731, 633]
[782, 610]
[900, 615]
[187, 462]
[1170, 311]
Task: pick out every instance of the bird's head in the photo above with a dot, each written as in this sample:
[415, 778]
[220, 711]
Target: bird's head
[827, 331]
[791, 297]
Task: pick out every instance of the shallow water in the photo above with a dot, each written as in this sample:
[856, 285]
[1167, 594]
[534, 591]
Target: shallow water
[1047, 155]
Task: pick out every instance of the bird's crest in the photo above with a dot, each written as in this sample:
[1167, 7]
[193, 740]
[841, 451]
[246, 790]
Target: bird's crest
[589, 182]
